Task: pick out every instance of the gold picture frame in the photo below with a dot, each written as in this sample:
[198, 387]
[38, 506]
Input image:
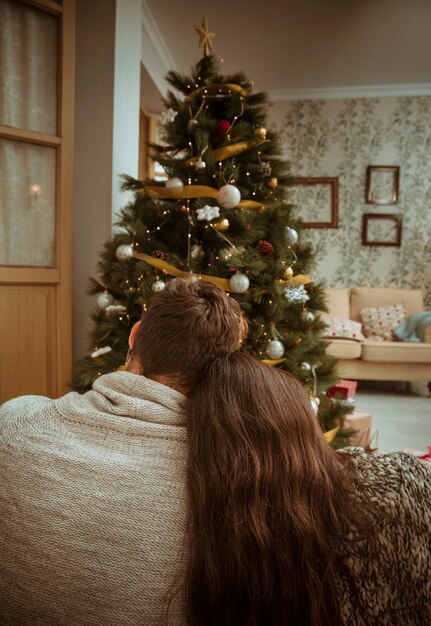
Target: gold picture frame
[326, 188]
[382, 184]
[373, 227]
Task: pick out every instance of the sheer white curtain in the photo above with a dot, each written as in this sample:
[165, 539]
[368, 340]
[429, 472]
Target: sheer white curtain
[28, 100]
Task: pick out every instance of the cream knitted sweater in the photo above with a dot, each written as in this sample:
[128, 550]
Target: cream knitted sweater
[92, 497]
[92, 516]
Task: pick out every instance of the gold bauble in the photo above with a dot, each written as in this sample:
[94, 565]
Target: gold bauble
[222, 225]
[288, 273]
[259, 132]
[272, 182]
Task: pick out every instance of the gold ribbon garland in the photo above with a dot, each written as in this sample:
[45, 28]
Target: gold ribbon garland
[230, 151]
[174, 271]
[221, 88]
[195, 191]
[273, 362]
[163, 266]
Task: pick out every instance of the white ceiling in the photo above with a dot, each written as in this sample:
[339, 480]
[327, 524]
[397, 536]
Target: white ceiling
[294, 47]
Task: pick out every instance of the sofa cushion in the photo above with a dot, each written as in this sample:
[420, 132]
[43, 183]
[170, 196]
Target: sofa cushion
[342, 328]
[362, 297]
[381, 321]
[396, 352]
[344, 349]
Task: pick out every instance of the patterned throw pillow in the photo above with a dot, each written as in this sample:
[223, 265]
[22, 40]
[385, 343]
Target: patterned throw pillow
[342, 328]
[380, 322]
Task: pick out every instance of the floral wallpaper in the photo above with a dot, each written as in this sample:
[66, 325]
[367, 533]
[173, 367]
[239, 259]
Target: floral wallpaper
[341, 138]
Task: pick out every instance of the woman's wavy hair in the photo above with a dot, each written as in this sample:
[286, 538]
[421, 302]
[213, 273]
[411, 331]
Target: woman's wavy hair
[269, 500]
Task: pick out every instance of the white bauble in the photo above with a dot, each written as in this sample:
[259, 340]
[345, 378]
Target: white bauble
[306, 367]
[275, 349]
[290, 236]
[157, 286]
[104, 299]
[124, 252]
[239, 283]
[174, 183]
[314, 405]
[228, 196]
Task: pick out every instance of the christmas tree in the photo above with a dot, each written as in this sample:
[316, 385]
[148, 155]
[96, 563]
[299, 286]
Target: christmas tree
[220, 216]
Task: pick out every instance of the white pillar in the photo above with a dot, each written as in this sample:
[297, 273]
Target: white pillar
[125, 139]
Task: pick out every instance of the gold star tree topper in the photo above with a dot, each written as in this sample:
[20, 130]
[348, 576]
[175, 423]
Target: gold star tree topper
[205, 37]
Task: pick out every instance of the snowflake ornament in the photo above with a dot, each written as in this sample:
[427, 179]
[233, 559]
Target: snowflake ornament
[168, 116]
[115, 309]
[296, 295]
[208, 213]
[100, 351]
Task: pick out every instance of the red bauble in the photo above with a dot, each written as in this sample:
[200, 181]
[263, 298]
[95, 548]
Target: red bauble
[265, 246]
[223, 126]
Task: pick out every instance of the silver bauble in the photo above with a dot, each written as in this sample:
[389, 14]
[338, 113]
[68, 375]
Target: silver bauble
[124, 252]
[239, 283]
[174, 183]
[290, 236]
[158, 286]
[307, 317]
[275, 349]
[104, 299]
[314, 405]
[306, 367]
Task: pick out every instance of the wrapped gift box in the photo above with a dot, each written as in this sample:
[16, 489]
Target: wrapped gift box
[360, 421]
[343, 389]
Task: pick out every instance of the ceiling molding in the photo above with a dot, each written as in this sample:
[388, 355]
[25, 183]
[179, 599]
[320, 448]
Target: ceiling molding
[335, 93]
[155, 54]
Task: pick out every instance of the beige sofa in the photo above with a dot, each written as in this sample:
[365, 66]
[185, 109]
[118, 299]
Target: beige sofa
[375, 360]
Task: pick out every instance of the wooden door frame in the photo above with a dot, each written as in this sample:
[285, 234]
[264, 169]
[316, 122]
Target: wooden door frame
[61, 275]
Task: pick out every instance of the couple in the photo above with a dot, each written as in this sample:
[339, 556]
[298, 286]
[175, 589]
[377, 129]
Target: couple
[196, 488]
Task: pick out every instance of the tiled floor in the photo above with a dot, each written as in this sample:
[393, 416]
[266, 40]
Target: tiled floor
[400, 418]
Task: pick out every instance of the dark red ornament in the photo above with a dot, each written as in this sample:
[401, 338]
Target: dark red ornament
[223, 126]
[265, 246]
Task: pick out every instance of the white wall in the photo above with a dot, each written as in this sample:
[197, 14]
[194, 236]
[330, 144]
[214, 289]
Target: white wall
[125, 153]
[108, 50]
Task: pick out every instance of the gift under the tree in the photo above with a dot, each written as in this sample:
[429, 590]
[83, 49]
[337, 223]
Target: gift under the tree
[342, 390]
[360, 422]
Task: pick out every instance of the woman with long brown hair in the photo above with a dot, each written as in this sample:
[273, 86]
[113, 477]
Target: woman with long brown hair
[284, 529]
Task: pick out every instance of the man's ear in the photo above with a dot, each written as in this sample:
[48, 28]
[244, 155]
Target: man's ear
[133, 333]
